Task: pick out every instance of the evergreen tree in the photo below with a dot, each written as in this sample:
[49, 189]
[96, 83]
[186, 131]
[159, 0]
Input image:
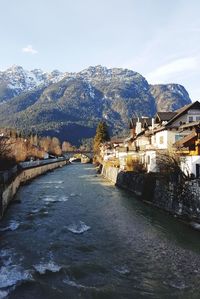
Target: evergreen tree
[101, 136]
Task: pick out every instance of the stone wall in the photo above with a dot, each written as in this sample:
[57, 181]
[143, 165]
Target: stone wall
[182, 199]
[8, 192]
[110, 173]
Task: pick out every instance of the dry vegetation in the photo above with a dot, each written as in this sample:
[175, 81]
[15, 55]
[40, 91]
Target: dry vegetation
[133, 164]
[113, 163]
[14, 147]
[169, 163]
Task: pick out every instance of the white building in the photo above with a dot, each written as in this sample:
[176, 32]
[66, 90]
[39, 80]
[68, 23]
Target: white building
[169, 127]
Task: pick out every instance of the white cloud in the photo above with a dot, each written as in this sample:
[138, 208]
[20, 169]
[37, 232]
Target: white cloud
[29, 49]
[166, 71]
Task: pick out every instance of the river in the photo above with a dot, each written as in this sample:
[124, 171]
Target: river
[70, 234]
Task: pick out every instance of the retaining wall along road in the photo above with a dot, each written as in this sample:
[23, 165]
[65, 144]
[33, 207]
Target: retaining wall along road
[8, 191]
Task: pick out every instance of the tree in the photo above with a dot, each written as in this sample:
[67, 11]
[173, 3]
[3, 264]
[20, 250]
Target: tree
[55, 147]
[33, 139]
[45, 143]
[169, 164]
[19, 149]
[101, 136]
[67, 147]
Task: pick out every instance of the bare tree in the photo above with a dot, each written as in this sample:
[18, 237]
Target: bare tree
[55, 147]
[67, 147]
[45, 143]
[169, 164]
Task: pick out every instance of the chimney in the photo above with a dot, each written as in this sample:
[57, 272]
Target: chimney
[152, 123]
[138, 128]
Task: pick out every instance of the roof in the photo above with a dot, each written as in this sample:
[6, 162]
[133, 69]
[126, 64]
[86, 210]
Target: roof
[191, 124]
[140, 134]
[159, 129]
[165, 116]
[183, 110]
[117, 139]
[143, 120]
[185, 139]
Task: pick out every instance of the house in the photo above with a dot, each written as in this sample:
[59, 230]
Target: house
[165, 135]
[163, 117]
[189, 148]
[169, 130]
[152, 137]
[190, 144]
[117, 142]
[139, 124]
[187, 114]
[106, 151]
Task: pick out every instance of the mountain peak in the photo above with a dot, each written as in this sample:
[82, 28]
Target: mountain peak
[20, 80]
[15, 68]
[100, 72]
[92, 71]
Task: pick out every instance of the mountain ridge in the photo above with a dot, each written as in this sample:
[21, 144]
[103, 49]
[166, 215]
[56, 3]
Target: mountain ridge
[63, 104]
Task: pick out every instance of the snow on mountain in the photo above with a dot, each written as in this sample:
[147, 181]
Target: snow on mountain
[15, 80]
[100, 72]
[69, 105]
[113, 84]
[18, 79]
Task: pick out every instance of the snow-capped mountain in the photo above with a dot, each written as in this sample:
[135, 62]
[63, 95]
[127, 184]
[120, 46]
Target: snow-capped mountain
[69, 105]
[101, 72]
[19, 80]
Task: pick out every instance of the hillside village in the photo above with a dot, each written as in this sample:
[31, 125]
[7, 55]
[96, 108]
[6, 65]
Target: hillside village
[174, 133]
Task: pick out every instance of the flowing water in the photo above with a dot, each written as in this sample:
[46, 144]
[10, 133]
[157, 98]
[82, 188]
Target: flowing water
[74, 235]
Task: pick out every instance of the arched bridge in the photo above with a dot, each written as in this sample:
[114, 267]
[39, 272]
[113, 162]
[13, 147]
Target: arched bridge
[79, 156]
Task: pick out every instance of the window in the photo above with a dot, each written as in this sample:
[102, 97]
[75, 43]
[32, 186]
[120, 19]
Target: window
[161, 140]
[190, 119]
[197, 118]
[197, 170]
[178, 137]
[192, 147]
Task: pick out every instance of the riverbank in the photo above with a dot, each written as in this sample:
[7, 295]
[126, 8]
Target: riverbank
[180, 199]
[9, 189]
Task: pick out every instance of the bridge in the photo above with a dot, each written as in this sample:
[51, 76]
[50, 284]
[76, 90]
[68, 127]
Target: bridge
[82, 156]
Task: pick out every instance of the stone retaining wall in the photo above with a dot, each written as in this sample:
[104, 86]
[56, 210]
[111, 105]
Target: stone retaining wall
[8, 192]
[169, 195]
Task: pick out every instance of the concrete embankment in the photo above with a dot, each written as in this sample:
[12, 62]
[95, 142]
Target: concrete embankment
[9, 190]
[181, 199]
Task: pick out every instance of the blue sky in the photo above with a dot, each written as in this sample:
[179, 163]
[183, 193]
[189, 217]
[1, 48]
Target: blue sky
[158, 38]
